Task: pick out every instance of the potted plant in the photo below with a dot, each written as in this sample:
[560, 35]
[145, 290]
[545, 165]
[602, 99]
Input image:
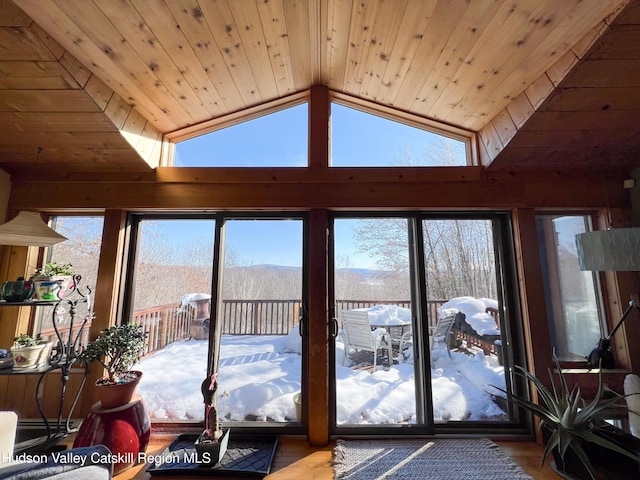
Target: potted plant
[212, 443]
[29, 352]
[583, 444]
[52, 281]
[117, 349]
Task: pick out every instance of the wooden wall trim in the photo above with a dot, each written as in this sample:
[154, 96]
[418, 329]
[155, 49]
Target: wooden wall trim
[319, 128]
[107, 291]
[319, 174]
[316, 399]
[532, 301]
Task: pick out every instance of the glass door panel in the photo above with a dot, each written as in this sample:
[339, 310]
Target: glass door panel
[170, 298]
[466, 332]
[374, 370]
[260, 361]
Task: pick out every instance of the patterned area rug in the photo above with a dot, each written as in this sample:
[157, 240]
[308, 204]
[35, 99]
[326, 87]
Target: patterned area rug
[423, 459]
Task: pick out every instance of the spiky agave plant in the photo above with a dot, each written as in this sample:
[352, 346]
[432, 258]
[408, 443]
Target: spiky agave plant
[571, 420]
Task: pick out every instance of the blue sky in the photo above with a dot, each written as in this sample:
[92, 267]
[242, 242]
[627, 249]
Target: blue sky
[261, 241]
[280, 140]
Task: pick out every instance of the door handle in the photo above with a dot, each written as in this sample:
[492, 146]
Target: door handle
[302, 329]
[333, 327]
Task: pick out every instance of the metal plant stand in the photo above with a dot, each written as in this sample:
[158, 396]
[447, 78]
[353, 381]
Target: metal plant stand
[65, 354]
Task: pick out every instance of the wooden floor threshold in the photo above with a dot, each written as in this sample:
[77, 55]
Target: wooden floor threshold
[296, 460]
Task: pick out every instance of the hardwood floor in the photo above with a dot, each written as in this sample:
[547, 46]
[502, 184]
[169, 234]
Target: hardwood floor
[296, 460]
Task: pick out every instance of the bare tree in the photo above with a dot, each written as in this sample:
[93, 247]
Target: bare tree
[82, 247]
[167, 270]
[385, 240]
[441, 151]
[347, 280]
[459, 256]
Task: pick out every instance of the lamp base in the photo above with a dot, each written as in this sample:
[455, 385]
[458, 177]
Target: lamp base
[601, 356]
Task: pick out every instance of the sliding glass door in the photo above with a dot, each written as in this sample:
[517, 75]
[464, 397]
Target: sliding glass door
[374, 361]
[466, 320]
[261, 278]
[229, 286]
[427, 294]
[169, 295]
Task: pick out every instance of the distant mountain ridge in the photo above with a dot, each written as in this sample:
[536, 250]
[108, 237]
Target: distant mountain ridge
[365, 272]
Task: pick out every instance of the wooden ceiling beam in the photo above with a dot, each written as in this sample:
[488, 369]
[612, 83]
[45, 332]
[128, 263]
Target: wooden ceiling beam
[380, 195]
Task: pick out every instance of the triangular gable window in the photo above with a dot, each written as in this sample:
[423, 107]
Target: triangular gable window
[279, 139]
[360, 139]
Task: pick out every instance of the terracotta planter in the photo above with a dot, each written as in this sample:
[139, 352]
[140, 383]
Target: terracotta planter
[31, 357]
[118, 394]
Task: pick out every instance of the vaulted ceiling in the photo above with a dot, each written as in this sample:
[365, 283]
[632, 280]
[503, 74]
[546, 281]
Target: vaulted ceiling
[95, 85]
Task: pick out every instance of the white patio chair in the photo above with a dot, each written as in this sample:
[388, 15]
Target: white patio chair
[440, 340]
[406, 343]
[357, 334]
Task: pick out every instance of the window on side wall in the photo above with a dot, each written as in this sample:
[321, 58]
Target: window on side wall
[574, 307]
[82, 251]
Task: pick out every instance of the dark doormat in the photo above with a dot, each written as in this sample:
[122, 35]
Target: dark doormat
[247, 455]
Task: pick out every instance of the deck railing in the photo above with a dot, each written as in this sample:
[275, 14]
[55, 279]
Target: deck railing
[168, 323]
[276, 317]
[165, 324]
[259, 317]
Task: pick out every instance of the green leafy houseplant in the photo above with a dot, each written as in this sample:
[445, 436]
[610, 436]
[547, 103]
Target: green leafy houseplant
[24, 340]
[573, 423]
[52, 269]
[117, 349]
[52, 281]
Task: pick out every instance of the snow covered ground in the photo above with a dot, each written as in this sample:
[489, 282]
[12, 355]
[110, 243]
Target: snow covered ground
[259, 375]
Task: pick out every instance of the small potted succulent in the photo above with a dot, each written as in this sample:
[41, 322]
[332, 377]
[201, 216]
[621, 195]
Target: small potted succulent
[117, 349]
[52, 281]
[29, 352]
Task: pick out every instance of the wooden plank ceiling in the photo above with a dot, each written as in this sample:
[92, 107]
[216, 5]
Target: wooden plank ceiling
[93, 85]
